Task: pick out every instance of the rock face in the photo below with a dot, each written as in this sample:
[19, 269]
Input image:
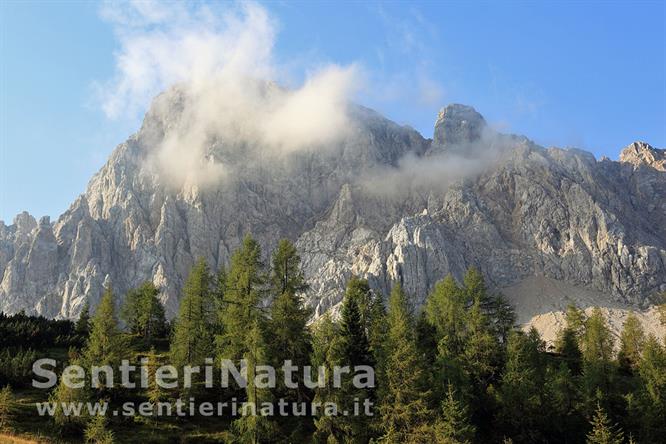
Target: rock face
[560, 214]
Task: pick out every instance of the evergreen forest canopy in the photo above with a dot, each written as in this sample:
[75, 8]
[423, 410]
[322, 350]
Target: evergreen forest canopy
[457, 370]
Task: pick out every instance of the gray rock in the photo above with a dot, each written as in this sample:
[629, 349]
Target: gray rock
[547, 212]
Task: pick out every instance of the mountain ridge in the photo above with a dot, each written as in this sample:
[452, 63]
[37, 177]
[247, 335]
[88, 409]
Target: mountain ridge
[469, 196]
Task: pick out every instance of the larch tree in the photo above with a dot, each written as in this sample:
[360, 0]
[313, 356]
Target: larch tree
[454, 427]
[521, 404]
[82, 326]
[286, 273]
[192, 342]
[106, 343]
[253, 425]
[403, 405]
[244, 290]
[143, 312]
[632, 339]
[355, 348]
[598, 367]
[603, 432]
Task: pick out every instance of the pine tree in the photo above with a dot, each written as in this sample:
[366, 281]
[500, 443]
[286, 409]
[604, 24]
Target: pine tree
[244, 291]
[143, 312]
[631, 344]
[286, 274]
[96, 431]
[403, 408]
[106, 344]
[192, 337]
[6, 408]
[602, 430]
[454, 427]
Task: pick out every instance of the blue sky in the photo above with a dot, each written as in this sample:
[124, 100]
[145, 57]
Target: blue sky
[590, 75]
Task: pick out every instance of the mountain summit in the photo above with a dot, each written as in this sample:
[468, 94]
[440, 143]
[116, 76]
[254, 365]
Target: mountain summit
[556, 217]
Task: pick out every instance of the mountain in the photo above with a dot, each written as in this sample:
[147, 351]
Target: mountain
[382, 202]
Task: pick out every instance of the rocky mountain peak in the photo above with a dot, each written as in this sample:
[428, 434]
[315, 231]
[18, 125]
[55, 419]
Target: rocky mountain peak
[458, 124]
[641, 153]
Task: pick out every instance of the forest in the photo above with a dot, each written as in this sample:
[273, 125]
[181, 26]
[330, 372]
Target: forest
[455, 369]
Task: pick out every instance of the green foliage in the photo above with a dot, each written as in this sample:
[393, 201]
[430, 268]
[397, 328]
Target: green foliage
[253, 426]
[603, 432]
[6, 408]
[521, 402]
[598, 367]
[16, 366]
[286, 275]
[66, 422]
[192, 341]
[651, 394]
[445, 311]
[454, 426]
[326, 353]
[143, 312]
[631, 344]
[106, 345]
[244, 290]
[403, 408]
[36, 332]
[96, 431]
[82, 326]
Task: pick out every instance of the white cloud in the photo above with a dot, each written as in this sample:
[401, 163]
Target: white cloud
[221, 58]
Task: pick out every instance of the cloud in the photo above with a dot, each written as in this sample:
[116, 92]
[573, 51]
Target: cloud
[220, 59]
[438, 168]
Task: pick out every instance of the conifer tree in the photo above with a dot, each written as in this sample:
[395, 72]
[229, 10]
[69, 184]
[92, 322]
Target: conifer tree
[568, 339]
[143, 312]
[562, 397]
[597, 348]
[83, 323]
[244, 290]
[290, 337]
[327, 353]
[403, 408]
[154, 392]
[521, 388]
[106, 344]
[603, 432]
[480, 355]
[286, 274]
[192, 336]
[454, 427]
[96, 431]
[445, 311]
[65, 395]
[355, 348]
[652, 390]
[253, 426]
[6, 408]
[631, 344]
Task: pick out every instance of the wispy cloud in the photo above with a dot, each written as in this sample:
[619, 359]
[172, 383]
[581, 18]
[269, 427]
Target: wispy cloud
[221, 57]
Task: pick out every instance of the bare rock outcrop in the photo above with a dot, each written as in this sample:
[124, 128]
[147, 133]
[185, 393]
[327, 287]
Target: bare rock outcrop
[560, 214]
